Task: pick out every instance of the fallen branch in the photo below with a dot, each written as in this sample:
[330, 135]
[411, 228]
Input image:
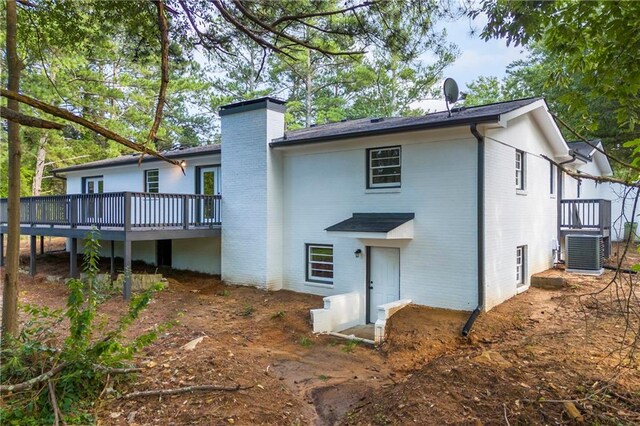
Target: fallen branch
[66, 115]
[188, 389]
[110, 370]
[26, 120]
[54, 403]
[29, 383]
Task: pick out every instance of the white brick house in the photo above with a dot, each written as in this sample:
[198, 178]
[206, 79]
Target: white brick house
[453, 211]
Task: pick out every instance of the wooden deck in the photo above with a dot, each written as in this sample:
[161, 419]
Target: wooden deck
[118, 216]
[586, 216]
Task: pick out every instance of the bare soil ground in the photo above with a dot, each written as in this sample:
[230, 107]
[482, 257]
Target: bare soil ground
[522, 361]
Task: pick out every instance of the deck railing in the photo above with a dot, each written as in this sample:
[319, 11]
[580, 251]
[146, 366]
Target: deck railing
[586, 214]
[127, 210]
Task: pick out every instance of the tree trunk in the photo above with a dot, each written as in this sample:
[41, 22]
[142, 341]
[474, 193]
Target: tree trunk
[10, 291]
[308, 86]
[36, 187]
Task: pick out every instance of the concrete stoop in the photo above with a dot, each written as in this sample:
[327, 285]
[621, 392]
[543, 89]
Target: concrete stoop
[548, 282]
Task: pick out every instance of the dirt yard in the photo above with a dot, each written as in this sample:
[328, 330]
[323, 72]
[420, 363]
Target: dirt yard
[521, 364]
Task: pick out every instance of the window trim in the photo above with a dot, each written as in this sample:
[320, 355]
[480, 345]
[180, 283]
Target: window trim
[146, 181]
[521, 183]
[371, 185]
[317, 280]
[553, 179]
[521, 267]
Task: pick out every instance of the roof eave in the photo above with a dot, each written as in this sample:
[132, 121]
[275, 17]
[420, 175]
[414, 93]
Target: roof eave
[375, 132]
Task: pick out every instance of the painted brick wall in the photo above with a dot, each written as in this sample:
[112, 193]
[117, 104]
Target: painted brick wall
[513, 219]
[251, 206]
[325, 184]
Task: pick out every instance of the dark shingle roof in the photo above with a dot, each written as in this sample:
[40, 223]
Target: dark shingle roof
[582, 148]
[372, 222]
[133, 158]
[368, 127]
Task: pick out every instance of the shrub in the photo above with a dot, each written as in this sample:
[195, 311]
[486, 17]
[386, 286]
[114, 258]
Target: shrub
[84, 358]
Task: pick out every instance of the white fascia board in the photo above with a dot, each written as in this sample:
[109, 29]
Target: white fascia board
[543, 117]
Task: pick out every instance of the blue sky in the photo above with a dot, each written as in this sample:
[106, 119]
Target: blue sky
[477, 57]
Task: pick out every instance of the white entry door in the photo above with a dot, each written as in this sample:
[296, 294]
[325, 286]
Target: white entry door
[384, 278]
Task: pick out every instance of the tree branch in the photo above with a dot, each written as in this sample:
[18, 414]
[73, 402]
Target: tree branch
[29, 383]
[26, 120]
[66, 115]
[582, 138]
[286, 36]
[318, 14]
[163, 26]
[599, 179]
[188, 389]
[248, 32]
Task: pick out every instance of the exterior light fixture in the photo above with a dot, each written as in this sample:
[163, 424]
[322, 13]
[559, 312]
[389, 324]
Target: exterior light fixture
[358, 253]
[183, 163]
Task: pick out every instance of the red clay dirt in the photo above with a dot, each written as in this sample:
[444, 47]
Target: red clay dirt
[523, 359]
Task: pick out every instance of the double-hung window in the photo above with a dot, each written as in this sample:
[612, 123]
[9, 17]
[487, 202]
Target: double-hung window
[520, 265]
[320, 263]
[383, 167]
[152, 181]
[520, 170]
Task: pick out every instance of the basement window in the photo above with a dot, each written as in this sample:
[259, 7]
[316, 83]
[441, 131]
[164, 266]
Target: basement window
[320, 263]
[152, 181]
[383, 167]
[521, 264]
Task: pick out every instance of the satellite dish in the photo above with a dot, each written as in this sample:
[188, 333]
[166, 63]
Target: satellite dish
[451, 92]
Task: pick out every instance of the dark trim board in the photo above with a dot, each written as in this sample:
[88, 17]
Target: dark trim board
[367, 284]
[119, 235]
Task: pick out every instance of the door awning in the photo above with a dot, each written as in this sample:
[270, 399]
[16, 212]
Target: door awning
[386, 226]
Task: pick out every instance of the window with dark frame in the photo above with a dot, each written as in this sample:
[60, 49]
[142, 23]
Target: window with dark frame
[520, 170]
[384, 167]
[152, 181]
[552, 179]
[320, 263]
[520, 265]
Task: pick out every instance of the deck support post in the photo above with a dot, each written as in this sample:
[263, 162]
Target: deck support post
[113, 259]
[41, 244]
[127, 270]
[73, 258]
[32, 255]
[1, 249]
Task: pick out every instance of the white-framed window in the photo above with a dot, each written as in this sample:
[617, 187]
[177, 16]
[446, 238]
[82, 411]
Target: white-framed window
[320, 263]
[384, 167]
[520, 170]
[552, 178]
[521, 264]
[152, 180]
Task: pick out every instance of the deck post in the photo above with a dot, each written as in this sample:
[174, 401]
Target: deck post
[127, 270]
[1, 249]
[127, 212]
[73, 258]
[32, 255]
[113, 259]
[41, 244]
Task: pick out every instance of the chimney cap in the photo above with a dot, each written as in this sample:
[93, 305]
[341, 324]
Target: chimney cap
[264, 102]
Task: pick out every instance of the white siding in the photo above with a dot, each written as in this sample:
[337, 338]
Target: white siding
[251, 201]
[326, 183]
[513, 219]
[131, 177]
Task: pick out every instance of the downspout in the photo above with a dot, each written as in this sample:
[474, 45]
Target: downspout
[480, 225]
[559, 201]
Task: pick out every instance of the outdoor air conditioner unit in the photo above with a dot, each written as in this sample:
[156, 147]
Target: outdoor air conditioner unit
[585, 254]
